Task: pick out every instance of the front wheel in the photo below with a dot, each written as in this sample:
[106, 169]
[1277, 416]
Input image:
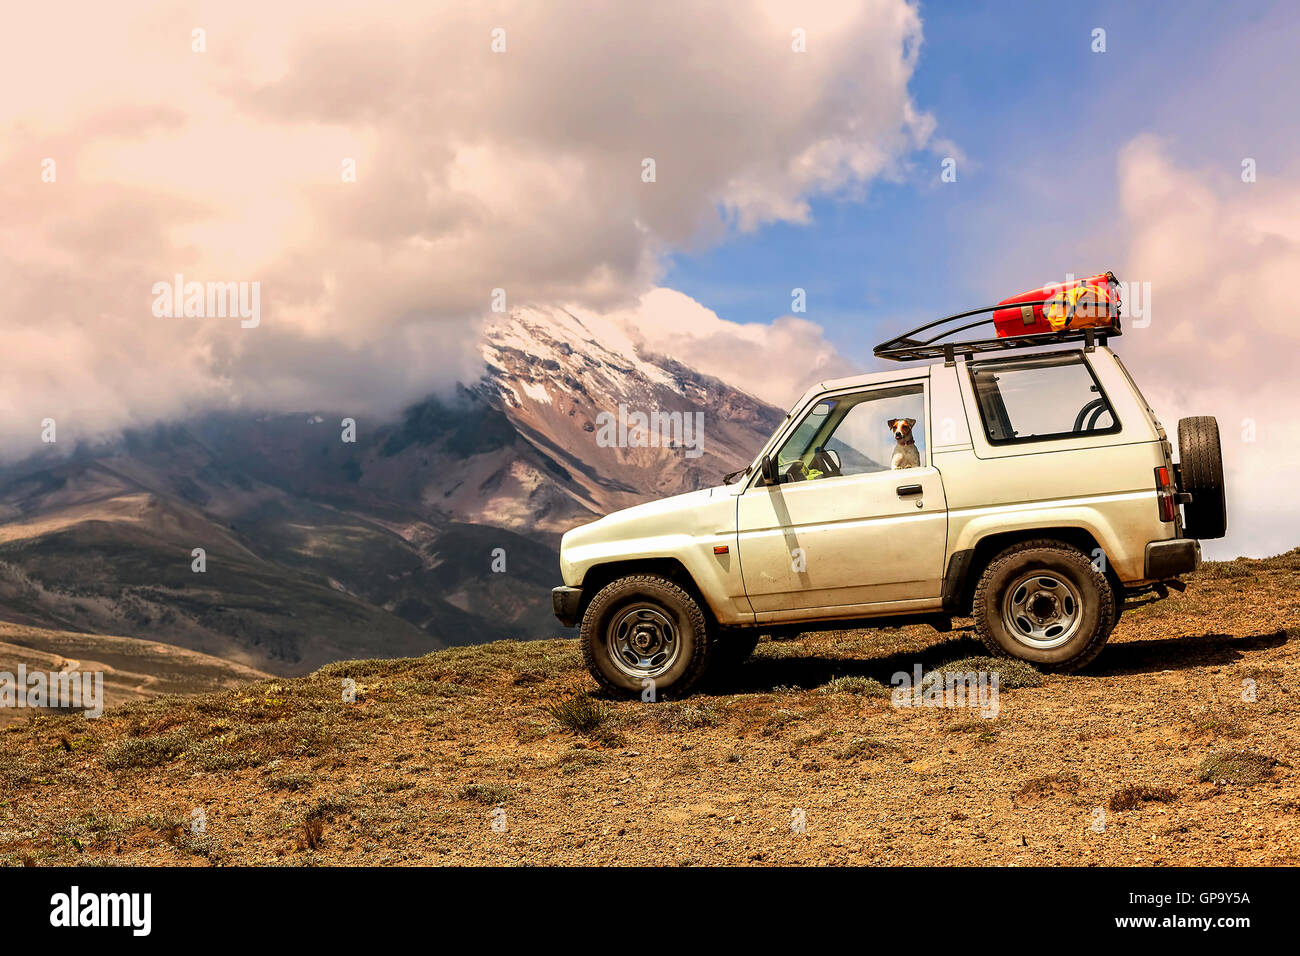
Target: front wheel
[1044, 602]
[644, 633]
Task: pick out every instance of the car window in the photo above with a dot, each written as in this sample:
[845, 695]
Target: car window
[1040, 398]
[851, 435]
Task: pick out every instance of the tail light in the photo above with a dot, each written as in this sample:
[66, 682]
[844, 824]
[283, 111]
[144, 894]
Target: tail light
[1166, 495]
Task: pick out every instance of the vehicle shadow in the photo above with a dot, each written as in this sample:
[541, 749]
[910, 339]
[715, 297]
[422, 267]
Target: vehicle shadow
[1179, 653]
[761, 674]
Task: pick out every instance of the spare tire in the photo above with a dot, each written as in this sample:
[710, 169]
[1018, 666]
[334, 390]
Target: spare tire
[1200, 473]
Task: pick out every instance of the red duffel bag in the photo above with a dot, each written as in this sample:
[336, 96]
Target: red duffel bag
[1091, 303]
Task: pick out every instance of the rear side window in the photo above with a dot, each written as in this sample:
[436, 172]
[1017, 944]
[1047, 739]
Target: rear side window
[1041, 398]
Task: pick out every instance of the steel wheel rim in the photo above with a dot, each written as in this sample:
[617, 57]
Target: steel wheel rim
[643, 641]
[1042, 610]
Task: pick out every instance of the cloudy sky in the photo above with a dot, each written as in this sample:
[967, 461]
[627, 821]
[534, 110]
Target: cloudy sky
[214, 140]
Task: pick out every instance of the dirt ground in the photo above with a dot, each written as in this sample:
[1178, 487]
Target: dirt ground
[1176, 746]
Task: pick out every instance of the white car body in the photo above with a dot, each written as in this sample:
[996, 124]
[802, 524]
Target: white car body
[855, 546]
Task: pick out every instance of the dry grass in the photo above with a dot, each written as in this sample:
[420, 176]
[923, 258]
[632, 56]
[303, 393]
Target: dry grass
[500, 754]
[1236, 767]
[1134, 795]
[1011, 673]
[580, 714]
[862, 686]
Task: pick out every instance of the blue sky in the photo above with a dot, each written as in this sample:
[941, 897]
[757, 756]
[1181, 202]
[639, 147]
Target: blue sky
[1039, 119]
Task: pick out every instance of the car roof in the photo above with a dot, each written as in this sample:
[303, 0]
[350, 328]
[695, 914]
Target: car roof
[874, 378]
[900, 374]
[904, 373]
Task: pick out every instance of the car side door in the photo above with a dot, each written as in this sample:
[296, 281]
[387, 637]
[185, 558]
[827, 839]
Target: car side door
[843, 533]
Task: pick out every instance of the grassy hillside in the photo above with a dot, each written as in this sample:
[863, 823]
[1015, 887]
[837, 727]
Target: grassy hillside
[291, 583]
[132, 669]
[1155, 737]
[304, 565]
[131, 574]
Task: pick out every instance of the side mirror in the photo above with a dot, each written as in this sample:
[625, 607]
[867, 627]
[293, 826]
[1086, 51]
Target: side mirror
[767, 468]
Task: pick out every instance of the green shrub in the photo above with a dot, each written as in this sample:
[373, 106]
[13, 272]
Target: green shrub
[1134, 795]
[485, 793]
[1239, 767]
[1011, 672]
[581, 714]
[685, 715]
[290, 781]
[142, 752]
[867, 748]
[861, 686]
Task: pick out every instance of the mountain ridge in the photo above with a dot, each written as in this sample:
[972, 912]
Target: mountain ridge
[437, 528]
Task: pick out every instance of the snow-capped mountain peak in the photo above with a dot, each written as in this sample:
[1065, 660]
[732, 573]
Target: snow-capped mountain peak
[560, 375]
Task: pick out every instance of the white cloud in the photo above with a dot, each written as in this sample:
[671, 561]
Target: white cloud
[1222, 258]
[475, 171]
[774, 361]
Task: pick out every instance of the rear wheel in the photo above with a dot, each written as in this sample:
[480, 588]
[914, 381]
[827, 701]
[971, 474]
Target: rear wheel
[1044, 602]
[1201, 474]
[644, 632]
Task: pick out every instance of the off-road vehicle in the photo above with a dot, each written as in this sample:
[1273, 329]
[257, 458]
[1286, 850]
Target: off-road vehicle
[1046, 494]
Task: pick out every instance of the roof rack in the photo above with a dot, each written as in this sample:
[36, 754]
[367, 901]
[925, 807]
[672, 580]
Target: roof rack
[910, 346]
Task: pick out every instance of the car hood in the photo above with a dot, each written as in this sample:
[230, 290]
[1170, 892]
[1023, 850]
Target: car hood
[684, 514]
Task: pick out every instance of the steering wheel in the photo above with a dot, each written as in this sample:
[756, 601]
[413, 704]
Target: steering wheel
[824, 463]
[1096, 406]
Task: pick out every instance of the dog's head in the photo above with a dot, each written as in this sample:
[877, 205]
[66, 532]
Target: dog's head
[902, 429]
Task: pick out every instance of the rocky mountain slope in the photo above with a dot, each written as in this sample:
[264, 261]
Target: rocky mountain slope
[437, 529]
[559, 378]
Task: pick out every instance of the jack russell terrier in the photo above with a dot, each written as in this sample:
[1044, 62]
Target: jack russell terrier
[905, 455]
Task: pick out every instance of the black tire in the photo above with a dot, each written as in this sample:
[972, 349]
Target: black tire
[665, 604]
[1023, 569]
[1200, 467]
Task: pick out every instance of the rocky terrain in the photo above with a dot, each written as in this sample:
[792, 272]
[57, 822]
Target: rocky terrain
[1175, 747]
[554, 375]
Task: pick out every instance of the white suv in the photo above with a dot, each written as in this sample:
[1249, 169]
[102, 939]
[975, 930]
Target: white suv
[1046, 492]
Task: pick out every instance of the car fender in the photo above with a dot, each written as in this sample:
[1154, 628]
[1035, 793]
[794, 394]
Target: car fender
[1120, 524]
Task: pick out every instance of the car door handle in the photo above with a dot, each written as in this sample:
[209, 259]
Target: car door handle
[905, 491]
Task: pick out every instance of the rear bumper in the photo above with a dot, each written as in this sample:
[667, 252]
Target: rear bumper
[1168, 559]
[566, 601]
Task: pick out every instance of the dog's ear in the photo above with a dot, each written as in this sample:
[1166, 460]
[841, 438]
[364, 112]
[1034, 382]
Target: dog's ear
[890, 424]
[910, 422]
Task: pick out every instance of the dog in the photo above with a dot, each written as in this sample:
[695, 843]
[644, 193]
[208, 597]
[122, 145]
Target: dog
[905, 455]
